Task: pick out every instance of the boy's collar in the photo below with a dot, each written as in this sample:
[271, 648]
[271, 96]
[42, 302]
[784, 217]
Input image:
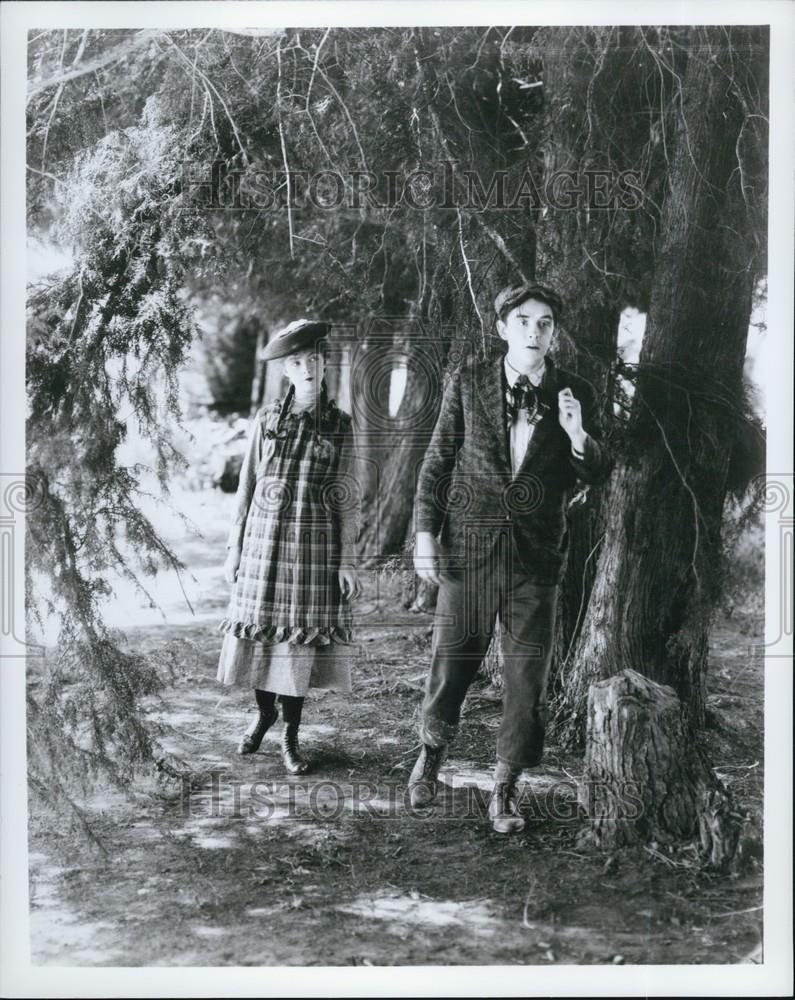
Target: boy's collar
[547, 386]
[512, 374]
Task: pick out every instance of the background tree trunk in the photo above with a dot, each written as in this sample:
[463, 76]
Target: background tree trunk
[392, 447]
[397, 446]
[370, 417]
[258, 382]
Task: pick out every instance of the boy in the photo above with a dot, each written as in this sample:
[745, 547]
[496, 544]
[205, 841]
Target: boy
[512, 438]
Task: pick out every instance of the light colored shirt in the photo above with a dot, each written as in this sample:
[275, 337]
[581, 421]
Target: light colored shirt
[522, 427]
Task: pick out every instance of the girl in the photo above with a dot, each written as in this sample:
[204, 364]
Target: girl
[290, 548]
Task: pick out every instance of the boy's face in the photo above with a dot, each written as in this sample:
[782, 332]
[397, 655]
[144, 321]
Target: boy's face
[305, 369]
[528, 330]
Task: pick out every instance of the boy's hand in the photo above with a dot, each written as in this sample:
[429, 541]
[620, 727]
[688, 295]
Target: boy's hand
[570, 418]
[350, 585]
[232, 564]
[426, 558]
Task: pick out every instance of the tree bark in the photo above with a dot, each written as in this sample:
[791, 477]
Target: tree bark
[570, 239]
[656, 583]
[370, 397]
[396, 449]
[393, 447]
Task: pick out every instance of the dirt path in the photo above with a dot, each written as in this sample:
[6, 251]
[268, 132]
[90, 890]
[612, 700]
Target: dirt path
[251, 867]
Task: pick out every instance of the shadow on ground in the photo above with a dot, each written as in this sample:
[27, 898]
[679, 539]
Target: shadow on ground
[243, 865]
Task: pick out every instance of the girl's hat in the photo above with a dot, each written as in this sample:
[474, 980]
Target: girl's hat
[299, 335]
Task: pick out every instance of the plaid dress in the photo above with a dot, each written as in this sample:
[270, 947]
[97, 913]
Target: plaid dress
[288, 627]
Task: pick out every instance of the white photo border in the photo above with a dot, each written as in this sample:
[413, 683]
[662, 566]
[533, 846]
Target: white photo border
[774, 975]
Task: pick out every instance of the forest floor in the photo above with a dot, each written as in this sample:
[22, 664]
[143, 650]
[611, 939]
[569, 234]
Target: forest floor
[246, 866]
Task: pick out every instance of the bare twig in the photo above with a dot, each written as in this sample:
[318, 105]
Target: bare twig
[347, 114]
[469, 277]
[284, 147]
[736, 913]
[208, 83]
[320, 45]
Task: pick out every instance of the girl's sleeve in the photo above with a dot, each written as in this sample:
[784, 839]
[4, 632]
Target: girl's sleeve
[350, 494]
[246, 483]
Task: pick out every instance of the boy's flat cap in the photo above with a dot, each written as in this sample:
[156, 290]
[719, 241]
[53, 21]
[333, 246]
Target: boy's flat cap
[513, 295]
[297, 336]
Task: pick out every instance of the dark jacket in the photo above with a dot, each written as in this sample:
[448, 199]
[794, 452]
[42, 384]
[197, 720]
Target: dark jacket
[466, 493]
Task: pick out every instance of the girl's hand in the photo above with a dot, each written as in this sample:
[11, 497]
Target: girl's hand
[231, 565]
[350, 584]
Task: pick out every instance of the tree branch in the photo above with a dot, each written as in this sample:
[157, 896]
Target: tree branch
[117, 53]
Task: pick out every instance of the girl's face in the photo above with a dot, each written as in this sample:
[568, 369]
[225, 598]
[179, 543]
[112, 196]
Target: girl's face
[305, 370]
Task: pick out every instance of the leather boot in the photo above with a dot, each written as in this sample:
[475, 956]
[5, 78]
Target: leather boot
[256, 731]
[503, 812]
[423, 781]
[291, 755]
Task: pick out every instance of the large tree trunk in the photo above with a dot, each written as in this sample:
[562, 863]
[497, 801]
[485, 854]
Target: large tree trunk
[569, 243]
[655, 589]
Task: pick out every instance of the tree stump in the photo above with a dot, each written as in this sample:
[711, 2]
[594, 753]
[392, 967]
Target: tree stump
[646, 778]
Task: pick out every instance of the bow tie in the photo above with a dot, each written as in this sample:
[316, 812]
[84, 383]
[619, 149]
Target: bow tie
[521, 396]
